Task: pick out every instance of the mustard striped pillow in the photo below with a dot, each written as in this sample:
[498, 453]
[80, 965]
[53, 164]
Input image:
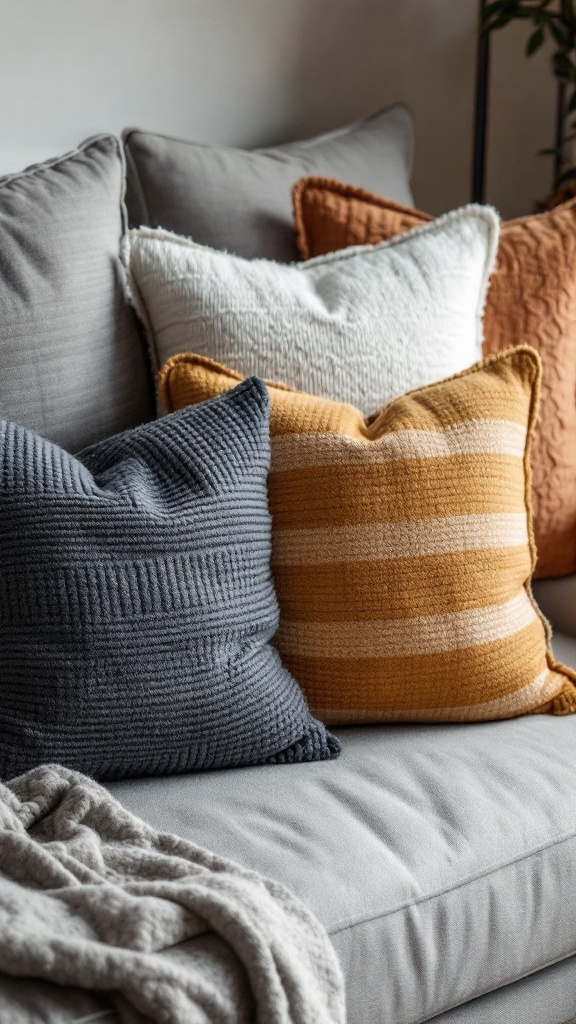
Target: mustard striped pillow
[403, 546]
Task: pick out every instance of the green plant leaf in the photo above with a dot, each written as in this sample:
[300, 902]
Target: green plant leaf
[498, 13]
[572, 103]
[560, 34]
[568, 13]
[500, 7]
[534, 42]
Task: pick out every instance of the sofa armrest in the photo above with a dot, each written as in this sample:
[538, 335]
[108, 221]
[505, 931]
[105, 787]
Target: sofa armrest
[557, 600]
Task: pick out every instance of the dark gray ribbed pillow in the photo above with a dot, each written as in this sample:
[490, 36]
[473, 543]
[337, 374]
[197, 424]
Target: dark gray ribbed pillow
[137, 601]
[73, 364]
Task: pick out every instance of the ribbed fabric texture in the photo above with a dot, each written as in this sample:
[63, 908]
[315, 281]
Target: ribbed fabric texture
[532, 298]
[137, 602]
[360, 326]
[402, 547]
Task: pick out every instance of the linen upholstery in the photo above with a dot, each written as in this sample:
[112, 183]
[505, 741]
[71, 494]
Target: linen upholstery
[439, 839]
[239, 199]
[532, 298]
[73, 363]
[362, 326]
[402, 546]
[137, 602]
[546, 997]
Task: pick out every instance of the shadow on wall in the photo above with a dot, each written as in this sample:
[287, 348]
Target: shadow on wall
[255, 72]
[356, 57]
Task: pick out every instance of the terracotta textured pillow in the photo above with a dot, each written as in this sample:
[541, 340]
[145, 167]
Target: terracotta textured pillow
[532, 298]
[402, 546]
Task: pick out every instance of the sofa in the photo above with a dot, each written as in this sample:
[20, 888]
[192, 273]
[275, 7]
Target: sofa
[440, 857]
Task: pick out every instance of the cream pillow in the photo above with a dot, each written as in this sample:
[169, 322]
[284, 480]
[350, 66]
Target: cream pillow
[362, 326]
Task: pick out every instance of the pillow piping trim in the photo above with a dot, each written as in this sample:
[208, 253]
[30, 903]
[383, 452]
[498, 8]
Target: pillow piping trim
[46, 165]
[564, 701]
[346, 191]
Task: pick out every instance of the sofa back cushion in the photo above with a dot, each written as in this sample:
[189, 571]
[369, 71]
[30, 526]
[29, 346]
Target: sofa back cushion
[239, 200]
[402, 546]
[73, 363]
[137, 607]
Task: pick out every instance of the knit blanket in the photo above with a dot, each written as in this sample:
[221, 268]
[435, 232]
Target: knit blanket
[93, 898]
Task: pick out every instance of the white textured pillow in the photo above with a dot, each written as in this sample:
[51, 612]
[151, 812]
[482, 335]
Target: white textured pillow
[362, 325]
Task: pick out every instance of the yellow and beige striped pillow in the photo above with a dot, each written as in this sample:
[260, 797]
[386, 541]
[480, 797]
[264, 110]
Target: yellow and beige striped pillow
[403, 546]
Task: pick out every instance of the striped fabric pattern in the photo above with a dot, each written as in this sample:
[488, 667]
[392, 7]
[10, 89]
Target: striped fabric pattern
[403, 546]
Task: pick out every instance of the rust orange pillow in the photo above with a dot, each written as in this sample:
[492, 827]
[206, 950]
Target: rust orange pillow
[402, 546]
[532, 299]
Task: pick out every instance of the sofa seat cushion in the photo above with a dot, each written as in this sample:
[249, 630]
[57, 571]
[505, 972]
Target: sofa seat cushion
[441, 858]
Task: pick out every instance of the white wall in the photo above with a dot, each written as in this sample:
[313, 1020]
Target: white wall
[249, 72]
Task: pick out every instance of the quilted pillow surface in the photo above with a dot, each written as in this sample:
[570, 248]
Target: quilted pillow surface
[137, 601]
[360, 326]
[402, 546]
[532, 299]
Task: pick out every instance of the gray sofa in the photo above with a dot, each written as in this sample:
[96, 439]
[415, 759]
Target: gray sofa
[440, 858]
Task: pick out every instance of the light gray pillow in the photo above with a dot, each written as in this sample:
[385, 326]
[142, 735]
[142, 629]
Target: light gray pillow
[240, 200]
[73, 365]
[138, 606]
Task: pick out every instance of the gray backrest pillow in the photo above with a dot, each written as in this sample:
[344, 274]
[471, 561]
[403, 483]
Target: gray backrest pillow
[73, 363]
[241, 200]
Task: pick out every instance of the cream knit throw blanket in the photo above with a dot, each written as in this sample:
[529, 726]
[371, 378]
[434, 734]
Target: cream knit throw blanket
[93, 897]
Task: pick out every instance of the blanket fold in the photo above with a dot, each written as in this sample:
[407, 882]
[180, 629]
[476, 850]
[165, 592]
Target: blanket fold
[93, 898]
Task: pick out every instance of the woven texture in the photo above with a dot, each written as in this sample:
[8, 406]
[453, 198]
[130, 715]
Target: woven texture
[93, 898]
[137, 601]
[239, 200]
[402, 547]
[532, 298]
[74, 362]
[360, 327]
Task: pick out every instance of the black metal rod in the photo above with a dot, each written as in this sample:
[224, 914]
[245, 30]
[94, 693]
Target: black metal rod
[480, 112]
[559, 134]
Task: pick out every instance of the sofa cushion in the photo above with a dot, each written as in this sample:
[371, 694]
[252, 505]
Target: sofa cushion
[402, 546]
[532, 298]
[239, 199]
[73, 363]
[361, 326]
[137, 601]
[546, 997]
[441, 859]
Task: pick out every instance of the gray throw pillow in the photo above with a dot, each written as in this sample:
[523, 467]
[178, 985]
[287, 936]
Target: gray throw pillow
[240, 200]
[73, 364]
[137, 601]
